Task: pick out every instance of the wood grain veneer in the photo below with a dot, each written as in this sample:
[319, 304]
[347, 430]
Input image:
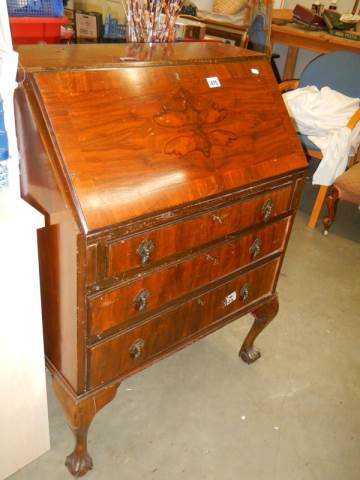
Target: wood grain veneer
[168, 205]
[111, 308]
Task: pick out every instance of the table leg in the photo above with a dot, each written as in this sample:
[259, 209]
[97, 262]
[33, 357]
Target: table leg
[290, 63]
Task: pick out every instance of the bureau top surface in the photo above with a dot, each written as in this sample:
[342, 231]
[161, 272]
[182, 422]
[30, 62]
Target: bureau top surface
[47, 57]
[137, 139]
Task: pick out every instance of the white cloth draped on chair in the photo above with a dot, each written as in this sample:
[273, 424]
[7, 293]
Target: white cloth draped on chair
[322, 115]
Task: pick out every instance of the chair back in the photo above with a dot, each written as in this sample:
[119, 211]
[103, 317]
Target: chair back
[258, 33]
[337, 70]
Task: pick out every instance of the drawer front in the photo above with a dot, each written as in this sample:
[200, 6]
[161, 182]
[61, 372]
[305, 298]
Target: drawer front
[142, 250]
[140, 297]
[120, 355]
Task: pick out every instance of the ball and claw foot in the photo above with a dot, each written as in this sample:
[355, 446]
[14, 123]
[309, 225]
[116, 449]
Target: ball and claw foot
[249, 356]
[79, 413]
[78, 465]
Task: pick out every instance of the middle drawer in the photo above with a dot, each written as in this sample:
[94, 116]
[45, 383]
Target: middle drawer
[116, 307]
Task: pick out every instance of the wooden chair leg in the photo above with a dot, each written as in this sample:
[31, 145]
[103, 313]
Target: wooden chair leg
[331, 202]
[317, 206]
[352, 160]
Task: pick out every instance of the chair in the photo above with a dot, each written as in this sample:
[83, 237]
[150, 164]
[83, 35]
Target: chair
[339, 71]
[258, 34]
[346, 187]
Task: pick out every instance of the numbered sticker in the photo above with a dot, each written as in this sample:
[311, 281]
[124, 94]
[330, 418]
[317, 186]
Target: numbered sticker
[213, 82]
[229, 299]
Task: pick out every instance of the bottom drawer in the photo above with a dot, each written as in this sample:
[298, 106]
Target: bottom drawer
[119, 355]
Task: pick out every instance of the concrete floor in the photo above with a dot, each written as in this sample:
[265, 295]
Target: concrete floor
[204, 414]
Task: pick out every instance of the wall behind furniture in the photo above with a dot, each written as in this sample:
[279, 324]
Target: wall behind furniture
[24, 433]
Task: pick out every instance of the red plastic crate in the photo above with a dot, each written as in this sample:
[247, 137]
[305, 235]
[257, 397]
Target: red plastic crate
[36, 29]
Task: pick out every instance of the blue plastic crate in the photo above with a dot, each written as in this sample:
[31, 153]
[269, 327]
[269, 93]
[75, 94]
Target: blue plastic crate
[4, 150]
[35, 8]
[113, 29]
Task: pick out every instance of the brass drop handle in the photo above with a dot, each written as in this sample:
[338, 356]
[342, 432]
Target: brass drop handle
[255, 248]
[136, 348]
[144, 250]
[267, 209]
[141, 299]
[245, 291]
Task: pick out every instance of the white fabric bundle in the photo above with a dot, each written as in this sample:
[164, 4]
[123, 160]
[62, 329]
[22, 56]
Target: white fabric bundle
[322, 115]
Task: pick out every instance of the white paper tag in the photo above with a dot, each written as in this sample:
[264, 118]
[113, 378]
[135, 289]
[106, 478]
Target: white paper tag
[230, 298]
[255, 71]
[213, 82]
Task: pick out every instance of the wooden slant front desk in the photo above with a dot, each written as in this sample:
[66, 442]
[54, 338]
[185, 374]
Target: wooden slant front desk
[168, 205]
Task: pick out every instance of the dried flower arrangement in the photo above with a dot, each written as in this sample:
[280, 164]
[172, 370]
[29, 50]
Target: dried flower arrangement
[152, 20]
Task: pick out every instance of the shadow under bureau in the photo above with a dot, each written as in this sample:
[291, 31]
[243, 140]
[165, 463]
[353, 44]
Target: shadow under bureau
[169, 176]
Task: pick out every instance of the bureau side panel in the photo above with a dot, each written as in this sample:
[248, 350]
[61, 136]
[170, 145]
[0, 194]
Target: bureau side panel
[58, 278]
[61, 287]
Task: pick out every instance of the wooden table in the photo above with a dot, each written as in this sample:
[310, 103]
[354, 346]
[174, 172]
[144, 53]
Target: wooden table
[296, 38]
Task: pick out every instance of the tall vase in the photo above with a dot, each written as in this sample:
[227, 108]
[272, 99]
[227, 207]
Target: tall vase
[152, 21]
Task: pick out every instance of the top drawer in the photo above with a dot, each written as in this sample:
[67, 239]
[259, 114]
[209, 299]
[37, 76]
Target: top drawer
[144, 249]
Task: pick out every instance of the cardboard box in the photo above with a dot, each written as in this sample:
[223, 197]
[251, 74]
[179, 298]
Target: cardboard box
[88, 26]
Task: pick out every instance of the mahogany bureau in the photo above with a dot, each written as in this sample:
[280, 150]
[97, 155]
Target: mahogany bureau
[169, 176]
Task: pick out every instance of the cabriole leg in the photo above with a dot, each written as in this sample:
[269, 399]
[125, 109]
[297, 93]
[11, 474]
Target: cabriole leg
[263, 316]
[79, 414]
[79, 461]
